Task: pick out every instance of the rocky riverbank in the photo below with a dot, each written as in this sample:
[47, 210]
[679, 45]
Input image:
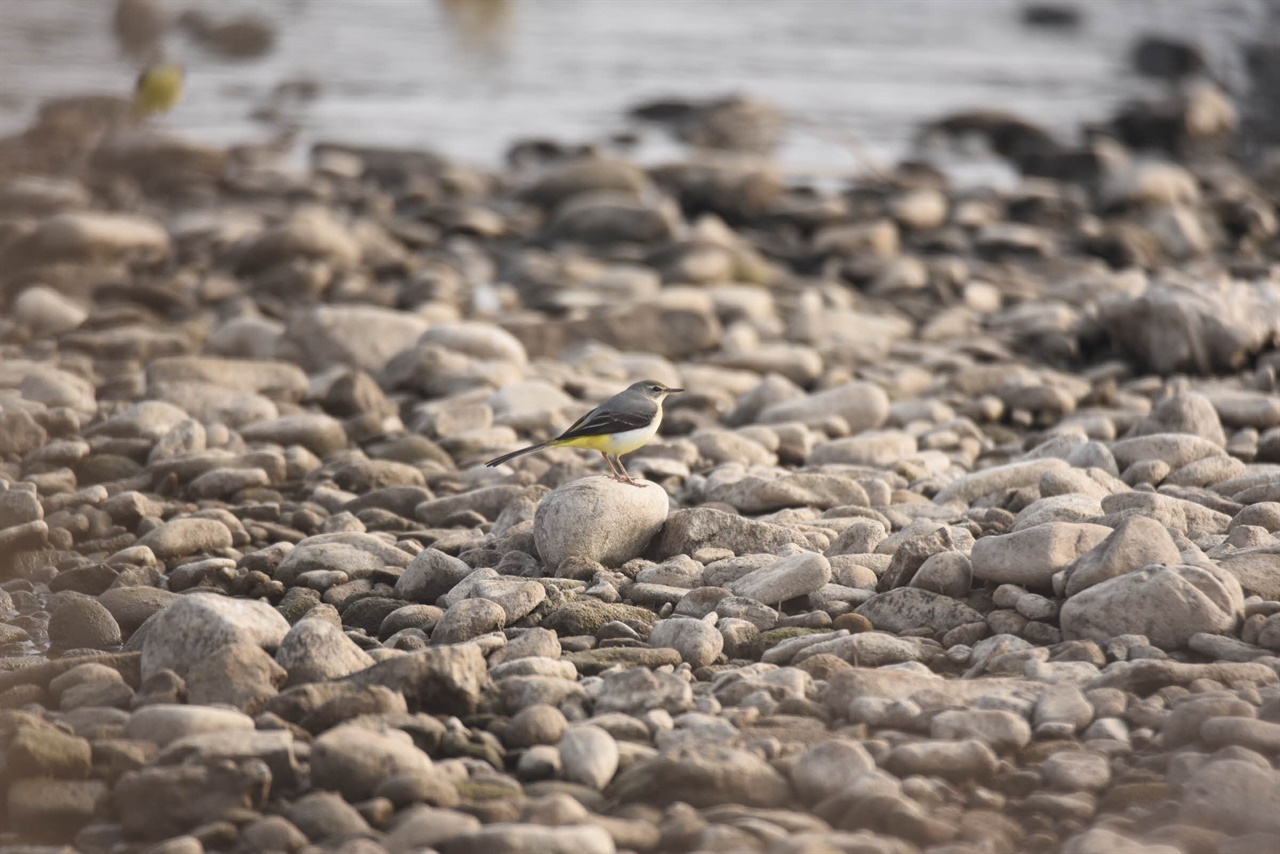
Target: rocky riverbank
[964, 538]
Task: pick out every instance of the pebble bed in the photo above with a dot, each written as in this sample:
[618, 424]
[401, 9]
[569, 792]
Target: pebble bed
[962, 541]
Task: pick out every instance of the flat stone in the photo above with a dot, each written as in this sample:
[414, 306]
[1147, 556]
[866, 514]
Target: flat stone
[969, 487]
[514, 838]
[789, 577]
[961, 760]
[183, 537]
[686, 531]
[162, 724]
[703, 777]
[1031, 557]
[912, 607]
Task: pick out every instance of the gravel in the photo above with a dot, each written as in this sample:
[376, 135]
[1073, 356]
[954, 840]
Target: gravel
[964, 537]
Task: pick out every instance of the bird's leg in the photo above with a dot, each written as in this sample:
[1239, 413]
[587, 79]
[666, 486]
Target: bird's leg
[613, 471]
[627, 477]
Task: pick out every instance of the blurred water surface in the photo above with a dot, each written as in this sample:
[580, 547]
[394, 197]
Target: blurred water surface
[420, 73]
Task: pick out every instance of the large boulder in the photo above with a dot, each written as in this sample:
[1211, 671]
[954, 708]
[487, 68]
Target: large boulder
[697, 641]
[1168, 604]
[1200, 326]
[764, 494]
[155, 802]
[598, 519]
[967, 488]
[912, 607]
[194, 627]
[1234, 796]
[241, 675]
[1030, 557]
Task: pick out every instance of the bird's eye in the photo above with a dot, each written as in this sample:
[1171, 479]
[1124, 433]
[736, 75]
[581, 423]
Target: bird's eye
[655, 388]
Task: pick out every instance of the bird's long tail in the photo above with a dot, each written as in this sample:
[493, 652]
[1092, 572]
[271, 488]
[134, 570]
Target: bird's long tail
[497, 461]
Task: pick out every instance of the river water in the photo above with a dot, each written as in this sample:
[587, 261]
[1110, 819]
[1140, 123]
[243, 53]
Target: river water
[404, 73]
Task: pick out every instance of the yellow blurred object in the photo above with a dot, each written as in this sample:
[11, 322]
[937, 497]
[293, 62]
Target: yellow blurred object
[159, 89]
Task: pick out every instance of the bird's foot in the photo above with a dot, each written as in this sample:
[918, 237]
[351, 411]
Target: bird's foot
[633, 482]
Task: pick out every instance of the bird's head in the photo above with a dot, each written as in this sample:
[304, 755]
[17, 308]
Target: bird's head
[654, 390]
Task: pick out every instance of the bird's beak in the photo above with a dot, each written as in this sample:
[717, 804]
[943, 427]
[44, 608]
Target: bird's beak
[674, 390]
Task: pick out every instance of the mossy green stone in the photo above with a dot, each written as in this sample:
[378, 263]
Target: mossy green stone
[485, 790]
[585, 616]
[773, 637]
[297, 603]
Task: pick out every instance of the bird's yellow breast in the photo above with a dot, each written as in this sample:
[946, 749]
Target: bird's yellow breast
[616, 444]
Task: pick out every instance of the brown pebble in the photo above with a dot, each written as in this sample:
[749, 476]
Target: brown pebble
[854, 623]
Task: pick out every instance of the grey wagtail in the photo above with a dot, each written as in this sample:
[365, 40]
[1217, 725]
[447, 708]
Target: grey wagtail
[618, 426]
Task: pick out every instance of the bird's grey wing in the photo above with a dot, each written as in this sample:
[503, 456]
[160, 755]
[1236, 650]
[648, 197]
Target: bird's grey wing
[611, 417]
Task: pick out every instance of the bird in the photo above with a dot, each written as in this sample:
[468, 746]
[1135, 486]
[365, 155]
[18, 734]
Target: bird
[159, 88]
[616, 427]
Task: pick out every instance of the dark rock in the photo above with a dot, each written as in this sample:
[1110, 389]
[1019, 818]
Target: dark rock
[160, 802]
[53, 809]
[79, 622]
[90, 580]
[325, 815]
[237, 674]
[1051, 16]
[440, 680]
[1156, 56]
